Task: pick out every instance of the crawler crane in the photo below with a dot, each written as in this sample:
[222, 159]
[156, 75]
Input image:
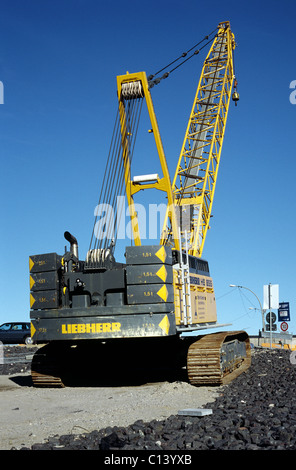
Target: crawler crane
[100, 312]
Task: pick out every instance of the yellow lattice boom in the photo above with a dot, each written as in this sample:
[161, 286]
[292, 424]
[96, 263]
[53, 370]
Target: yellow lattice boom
[196, 173]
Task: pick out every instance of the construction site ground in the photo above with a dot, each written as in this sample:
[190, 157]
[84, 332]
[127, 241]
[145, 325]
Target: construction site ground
[256, 411]
[30, 415]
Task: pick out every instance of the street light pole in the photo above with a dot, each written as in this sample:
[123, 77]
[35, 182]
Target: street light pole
[261, 309]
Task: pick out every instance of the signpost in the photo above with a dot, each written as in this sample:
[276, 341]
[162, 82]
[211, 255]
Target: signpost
[270, 302]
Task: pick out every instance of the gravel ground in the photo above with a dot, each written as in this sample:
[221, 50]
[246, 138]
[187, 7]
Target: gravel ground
[34, 415]
[257, 411]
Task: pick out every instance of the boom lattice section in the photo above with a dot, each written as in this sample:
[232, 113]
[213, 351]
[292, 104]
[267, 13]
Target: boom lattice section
[195, 178]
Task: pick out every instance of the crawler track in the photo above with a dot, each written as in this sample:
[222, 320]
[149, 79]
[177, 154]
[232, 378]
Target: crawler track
[215, 360]
[44, 370]
[46, 380]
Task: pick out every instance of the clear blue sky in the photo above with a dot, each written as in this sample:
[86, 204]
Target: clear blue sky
[58, 64]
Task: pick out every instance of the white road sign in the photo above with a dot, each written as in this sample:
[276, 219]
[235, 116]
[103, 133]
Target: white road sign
[271, 297]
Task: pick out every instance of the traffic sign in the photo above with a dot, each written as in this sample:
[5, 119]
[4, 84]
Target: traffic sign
[273, 327]
[284, 311]
[271, 297]
[273, 317]
[284, 326]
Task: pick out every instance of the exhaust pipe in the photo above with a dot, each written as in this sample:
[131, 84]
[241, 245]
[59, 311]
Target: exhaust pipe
[73, 243]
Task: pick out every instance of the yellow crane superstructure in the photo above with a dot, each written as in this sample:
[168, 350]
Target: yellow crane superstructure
[190, 194]
[162, 290]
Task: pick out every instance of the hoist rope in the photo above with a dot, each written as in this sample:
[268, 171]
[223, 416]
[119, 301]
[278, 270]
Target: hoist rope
[113, 181]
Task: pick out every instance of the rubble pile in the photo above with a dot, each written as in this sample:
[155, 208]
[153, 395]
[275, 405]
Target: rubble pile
[257, 411]
[16, 359]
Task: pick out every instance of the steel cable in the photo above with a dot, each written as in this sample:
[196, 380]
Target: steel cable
[113, 180]
[184, 54]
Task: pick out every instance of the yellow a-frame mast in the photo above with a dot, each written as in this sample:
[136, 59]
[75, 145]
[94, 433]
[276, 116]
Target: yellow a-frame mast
[129, 87]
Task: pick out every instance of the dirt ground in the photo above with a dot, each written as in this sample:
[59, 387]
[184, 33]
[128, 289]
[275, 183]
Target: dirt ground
[30, 415]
